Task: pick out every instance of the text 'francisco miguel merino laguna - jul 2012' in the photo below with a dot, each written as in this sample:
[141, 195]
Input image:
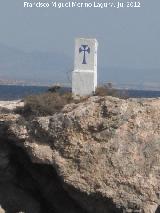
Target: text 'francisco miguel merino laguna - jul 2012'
[74, 4]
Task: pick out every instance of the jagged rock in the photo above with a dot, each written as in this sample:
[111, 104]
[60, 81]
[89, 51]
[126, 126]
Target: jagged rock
[105, 151]
[10, 192]
[10, 105]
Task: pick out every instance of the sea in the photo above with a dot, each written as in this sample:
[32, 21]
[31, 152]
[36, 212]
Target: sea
[13, 92]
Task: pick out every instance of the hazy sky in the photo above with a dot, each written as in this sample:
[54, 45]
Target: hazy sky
[128, 38]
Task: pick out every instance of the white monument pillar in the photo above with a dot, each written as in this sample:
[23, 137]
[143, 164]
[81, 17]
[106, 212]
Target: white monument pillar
[84, 76]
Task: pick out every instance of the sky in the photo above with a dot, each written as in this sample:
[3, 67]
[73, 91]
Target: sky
[129, 38]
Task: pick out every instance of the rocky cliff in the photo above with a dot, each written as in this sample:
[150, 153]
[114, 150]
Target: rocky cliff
[99, 156]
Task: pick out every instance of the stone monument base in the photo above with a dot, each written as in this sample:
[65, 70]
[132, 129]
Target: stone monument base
[83, 82]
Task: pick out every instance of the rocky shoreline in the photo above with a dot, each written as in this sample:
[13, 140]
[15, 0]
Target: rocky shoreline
[99, 156]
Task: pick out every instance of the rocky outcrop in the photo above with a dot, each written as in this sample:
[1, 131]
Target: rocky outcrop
[103, 154]
[9, 106]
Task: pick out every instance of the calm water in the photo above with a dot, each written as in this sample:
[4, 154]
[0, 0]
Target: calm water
[19, 92]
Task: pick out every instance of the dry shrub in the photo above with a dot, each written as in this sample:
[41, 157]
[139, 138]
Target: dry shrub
[106, 90]
[46, 103]
[51, 102]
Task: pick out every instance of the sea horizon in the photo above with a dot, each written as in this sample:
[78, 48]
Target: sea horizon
[15, 92]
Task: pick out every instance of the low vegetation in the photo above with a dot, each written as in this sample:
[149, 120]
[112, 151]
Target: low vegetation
[106, 90]
[45, 104]
[109, 90]
[53, 101]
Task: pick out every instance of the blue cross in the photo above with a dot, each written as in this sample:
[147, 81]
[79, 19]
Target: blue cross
[84, 49]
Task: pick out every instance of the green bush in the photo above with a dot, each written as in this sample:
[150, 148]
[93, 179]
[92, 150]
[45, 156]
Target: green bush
[54, 88]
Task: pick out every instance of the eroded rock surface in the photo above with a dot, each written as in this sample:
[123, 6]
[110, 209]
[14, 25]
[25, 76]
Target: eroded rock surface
[105, 152]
